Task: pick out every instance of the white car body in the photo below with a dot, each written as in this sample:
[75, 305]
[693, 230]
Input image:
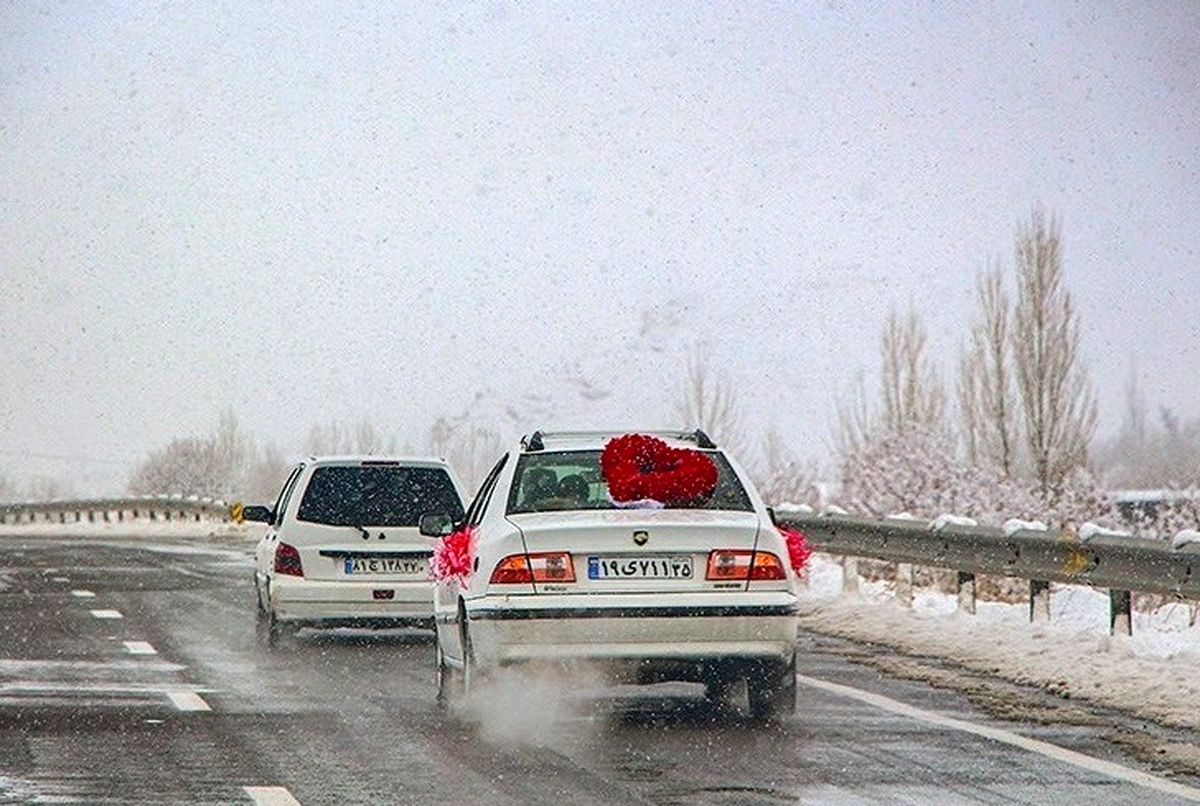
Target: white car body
[691, 628]
[373, 576]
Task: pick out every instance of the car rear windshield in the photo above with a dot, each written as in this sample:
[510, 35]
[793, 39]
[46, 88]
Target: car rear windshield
[371, 495]
[571, 480]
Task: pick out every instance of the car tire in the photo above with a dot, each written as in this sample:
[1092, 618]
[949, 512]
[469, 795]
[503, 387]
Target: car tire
[771, 691]
[271, 631]
[469, 670]
[447, 681]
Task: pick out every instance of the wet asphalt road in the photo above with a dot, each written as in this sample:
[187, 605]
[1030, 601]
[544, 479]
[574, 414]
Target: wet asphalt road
[88, 715]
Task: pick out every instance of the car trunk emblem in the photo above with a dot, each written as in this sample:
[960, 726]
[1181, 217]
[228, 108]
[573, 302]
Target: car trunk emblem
[641, 537]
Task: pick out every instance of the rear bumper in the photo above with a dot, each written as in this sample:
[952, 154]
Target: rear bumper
[317, 603]
[692, 628]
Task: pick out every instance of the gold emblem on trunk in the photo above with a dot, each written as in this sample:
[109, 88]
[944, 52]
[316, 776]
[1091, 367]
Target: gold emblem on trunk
[640, 538]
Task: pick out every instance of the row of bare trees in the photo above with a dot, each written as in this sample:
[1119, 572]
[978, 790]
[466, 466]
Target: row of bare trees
[1017, 442]
[230, 464]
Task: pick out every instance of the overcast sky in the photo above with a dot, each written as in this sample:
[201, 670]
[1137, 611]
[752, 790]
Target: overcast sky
[344, 212]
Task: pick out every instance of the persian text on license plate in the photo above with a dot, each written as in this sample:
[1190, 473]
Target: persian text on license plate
[679, 567]
[399, 566]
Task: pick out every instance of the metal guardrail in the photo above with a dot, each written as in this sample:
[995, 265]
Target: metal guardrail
[117, 510]
[1119, 563]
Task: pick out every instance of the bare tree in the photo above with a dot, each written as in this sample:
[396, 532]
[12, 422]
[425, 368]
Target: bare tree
[854, 417]
[469, 449]
[266, 475]
[710, 403]
[8, 490]
[783, 478]
[985, 393]
[362, 438]
[912, 393]
[1058, 406]
[215, 465]
[970, 413]
[48, 488]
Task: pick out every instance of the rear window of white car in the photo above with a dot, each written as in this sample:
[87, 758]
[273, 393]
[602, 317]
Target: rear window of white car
[377, 495]
[571, 480]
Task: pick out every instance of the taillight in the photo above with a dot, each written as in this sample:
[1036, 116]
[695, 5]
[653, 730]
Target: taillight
[767, 566]
[287, 561]
[740, 564]
[550, 566]
[554, 566]
[512, 570]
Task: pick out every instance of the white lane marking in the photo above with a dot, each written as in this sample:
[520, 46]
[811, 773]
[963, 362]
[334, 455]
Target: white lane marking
[59, 579]
[107, 614]
[1006, 737]
[139, 648]
[187, 701]
[270, 796]
[82, 594]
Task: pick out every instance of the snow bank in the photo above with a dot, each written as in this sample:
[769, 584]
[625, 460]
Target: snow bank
[1183, 537]
[942, 521]
[901, 516]
[1090, 530]
[139, 529]
[834, 509]
[788, 506]
[1154, 673]
[1014, 525]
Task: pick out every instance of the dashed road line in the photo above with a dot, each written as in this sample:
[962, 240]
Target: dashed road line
[139, 648]
[187, 701]
[107, 613]
[270, 796]
[82, 594]
[1046, 749]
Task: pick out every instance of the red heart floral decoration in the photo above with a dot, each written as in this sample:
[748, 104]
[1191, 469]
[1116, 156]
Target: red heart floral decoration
[638, 467]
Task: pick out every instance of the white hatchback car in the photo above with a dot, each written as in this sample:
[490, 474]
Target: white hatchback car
[560, 574]
[343, 547]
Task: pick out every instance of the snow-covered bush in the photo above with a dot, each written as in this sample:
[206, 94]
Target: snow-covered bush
[215, 466]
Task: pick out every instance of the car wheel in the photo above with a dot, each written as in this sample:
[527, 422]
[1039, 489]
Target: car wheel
[469, 670]
[447, 682]
[772, 691]
[271, 631]
[262, 625]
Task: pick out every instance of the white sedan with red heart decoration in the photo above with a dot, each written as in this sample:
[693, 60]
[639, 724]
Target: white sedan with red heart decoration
[648, 555]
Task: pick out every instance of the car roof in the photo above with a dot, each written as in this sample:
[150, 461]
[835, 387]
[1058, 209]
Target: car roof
[596, 440]
[365, 459]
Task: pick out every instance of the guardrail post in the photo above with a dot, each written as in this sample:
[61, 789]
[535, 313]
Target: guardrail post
[1039, 600]
[966, 592]
[850, 575]
[1120, 612]
[904, 584]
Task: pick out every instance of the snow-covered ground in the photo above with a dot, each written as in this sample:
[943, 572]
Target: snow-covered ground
[147, 529]
[1154, 673]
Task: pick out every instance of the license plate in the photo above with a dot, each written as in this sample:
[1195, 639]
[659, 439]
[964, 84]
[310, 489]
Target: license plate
[392, 566]
[678, 567]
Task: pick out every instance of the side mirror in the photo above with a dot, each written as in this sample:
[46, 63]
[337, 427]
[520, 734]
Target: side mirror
[435, 524]
[259, 514]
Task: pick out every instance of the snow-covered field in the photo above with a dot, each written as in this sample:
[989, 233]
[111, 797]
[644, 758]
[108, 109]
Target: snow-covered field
[1154, 673]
